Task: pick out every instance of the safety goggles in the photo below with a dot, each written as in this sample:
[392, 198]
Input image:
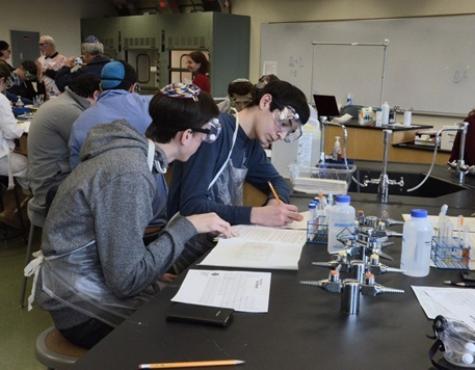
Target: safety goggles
[212, 130]
[289, 123]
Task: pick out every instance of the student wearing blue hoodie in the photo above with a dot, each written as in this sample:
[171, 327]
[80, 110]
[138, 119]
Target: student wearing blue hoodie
[95, 269]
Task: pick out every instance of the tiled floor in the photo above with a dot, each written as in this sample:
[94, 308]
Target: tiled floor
[18, 327]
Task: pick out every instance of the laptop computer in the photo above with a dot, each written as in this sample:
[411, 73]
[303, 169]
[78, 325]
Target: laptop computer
[326, 105]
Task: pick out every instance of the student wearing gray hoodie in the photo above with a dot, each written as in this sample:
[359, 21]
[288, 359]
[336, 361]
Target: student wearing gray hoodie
[95, 269]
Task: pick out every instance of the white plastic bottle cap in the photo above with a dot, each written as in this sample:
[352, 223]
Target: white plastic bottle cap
[470, 347]
[467, 358]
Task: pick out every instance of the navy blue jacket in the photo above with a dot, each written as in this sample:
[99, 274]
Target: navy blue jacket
[189, 189]
[64, 76]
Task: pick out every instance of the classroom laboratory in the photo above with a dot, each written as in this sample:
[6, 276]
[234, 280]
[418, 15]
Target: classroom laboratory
[248, 184]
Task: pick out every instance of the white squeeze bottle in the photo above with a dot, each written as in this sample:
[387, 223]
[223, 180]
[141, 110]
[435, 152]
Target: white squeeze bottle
[341, 222]
[385, 113]
[416, 244]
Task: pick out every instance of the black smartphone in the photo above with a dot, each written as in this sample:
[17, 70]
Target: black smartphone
[200, 314]
[468, 275]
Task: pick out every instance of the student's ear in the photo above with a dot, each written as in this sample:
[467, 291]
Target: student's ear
[95, 94]
[184, 136]
[265, 101]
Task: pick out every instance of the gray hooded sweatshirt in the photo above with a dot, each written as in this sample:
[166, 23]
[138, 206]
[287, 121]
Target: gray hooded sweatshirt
[103, 207]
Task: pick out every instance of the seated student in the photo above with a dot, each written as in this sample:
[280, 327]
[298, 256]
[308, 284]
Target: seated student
[212, 181]
[11, 164]
[96, 269]
[117, 101]
[240, 92]
[20, 82]
[93, 59]
[6, 53]
[48, 137]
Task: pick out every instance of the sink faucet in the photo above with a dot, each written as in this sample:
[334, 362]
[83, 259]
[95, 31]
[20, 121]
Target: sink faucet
[383, 181]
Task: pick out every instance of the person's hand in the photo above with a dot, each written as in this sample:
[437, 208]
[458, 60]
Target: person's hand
[69, 62]
[211, 223]
[274, 214]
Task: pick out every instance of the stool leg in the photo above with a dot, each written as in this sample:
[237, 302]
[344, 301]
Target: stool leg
[19, 208]
[29, 251]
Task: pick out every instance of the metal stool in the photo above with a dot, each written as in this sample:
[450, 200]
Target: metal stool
[56, 352]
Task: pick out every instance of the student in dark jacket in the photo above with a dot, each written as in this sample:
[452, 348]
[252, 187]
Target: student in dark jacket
[91, 62]
[210, 182]
[21, 83]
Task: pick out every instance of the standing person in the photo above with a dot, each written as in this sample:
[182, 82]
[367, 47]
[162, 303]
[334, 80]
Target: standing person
[96, 268]
[50, 62]
[212, 181]
[48, 138]
[469, 155]
[11, 164]
[6, 53]
[198, 65]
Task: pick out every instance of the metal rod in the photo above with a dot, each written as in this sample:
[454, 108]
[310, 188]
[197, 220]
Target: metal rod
[461, 162]
[318, 43]
[383, 188]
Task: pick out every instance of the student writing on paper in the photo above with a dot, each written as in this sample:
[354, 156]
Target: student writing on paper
[213, 179]
[95, 269]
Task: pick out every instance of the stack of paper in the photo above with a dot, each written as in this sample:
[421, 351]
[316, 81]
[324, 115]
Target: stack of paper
[455, 303]
[259, 247]
[240, 290]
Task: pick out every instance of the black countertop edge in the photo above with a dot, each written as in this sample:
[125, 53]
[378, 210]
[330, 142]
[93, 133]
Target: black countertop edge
[355, 124]
[426, 148]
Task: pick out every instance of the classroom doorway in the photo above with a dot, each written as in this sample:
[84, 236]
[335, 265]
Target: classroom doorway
[24, 46]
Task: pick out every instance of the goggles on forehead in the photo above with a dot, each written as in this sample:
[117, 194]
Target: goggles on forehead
[288, 121]
[212, 130]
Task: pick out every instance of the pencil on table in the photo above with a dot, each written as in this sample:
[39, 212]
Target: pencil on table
[187, 364]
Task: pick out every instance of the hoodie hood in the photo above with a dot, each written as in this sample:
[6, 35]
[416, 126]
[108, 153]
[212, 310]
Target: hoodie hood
[116, 135]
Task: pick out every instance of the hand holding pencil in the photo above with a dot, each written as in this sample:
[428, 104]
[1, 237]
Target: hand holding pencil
[276, 213]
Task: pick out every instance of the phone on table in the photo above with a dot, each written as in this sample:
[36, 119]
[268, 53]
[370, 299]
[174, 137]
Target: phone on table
[468, 275]
[200, 314]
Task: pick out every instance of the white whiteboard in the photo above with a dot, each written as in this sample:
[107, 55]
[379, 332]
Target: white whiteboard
[429, 67]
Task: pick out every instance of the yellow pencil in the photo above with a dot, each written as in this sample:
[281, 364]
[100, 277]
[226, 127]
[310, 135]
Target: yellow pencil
[274, 193]
[177, 365]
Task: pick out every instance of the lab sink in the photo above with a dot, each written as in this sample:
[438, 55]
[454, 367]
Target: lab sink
[432, 188]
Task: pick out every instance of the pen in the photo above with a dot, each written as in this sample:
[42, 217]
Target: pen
[177, 365]
[461, 284]
[274, 193]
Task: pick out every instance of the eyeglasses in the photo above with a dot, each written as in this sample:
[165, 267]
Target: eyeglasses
[41, 44]
[212, 130]
[288, 121]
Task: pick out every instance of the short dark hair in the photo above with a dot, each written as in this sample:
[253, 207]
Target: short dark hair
[30, 67]
[240, 87]
[284, 94]
[171, 115]
[3, 46]
[199, 57]
[85, 85]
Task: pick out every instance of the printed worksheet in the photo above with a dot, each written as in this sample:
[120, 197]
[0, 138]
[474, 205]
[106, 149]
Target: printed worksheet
[240, 290]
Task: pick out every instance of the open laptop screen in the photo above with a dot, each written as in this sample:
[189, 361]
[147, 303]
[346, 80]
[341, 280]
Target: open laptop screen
[326, 105]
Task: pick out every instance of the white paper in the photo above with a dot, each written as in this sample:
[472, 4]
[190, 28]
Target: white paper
[300, 225]
[456, 303]
[240, 290]
[25, 125]
[259, 247]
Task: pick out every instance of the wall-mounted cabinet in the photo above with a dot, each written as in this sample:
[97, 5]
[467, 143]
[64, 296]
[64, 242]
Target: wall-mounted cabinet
[147, 41]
